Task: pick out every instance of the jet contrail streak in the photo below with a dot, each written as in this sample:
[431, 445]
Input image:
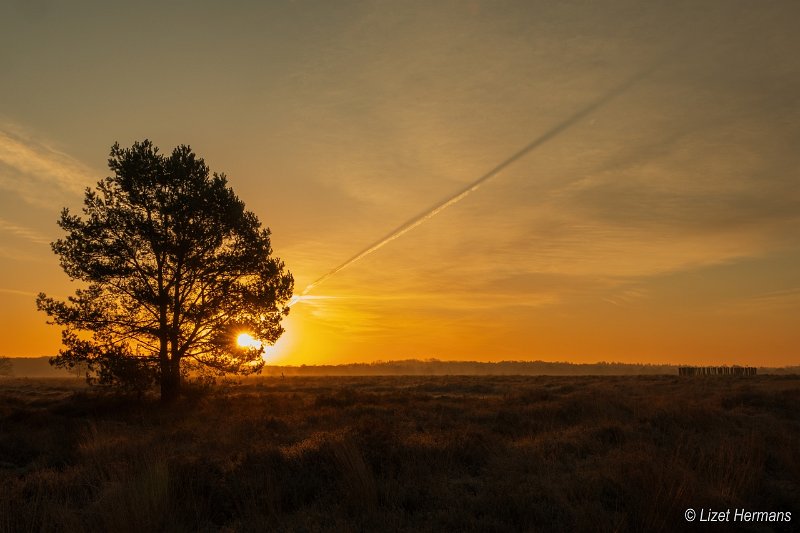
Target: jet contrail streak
[458, 196]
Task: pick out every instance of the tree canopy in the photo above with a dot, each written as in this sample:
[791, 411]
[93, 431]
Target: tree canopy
[174, 268]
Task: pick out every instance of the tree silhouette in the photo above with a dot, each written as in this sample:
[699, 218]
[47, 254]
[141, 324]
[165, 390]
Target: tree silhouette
[175, 268]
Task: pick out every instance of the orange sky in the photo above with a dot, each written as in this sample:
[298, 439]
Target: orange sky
[662, 227]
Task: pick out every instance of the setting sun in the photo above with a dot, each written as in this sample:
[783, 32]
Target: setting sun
[245, 340]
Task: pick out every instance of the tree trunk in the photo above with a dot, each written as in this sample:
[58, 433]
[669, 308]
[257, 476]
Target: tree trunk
[170, 381]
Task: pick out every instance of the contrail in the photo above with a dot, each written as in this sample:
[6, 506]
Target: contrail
[461, 194]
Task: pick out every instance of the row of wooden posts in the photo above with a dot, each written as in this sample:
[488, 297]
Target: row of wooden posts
[716, 371]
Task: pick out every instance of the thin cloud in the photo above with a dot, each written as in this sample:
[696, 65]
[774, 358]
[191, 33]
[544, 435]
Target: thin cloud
[23, 232]
[17, 292]
[38, 173]
[17, 255]
[773, 301]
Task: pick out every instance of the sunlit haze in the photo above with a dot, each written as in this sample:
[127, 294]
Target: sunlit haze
[658, 220]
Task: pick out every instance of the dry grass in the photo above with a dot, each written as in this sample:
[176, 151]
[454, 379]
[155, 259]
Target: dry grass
[499, 453]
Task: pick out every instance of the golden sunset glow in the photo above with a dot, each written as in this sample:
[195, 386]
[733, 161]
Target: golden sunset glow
[571, 182]
[245, 340]
[399, 265]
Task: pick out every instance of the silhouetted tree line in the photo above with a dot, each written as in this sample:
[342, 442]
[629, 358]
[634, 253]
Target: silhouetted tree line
[717, 371]
[433, 367]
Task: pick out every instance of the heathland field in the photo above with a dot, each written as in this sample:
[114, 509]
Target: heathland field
[477, 453]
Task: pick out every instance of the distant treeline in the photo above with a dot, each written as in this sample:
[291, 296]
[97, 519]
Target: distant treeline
[717, 371]
[38, 367]
[416, 367]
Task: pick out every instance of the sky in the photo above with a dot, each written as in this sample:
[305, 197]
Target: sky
[661, 227]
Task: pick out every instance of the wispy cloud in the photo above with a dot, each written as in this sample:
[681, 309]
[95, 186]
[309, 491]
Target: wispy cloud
[772, 301]
[17, 255]
[23, 232]
[17, 292]
[38, 173]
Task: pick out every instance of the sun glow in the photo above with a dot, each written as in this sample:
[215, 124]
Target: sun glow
[245, 340]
